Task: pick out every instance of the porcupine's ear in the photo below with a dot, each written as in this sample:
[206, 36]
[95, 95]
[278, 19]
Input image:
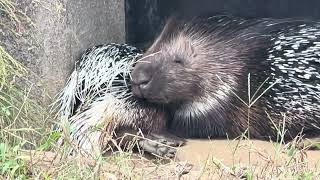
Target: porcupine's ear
[167, 32]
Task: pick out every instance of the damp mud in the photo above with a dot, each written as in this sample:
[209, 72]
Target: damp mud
[244, 153]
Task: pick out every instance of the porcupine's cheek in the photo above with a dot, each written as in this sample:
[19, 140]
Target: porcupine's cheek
[157, 91]
[179, 91]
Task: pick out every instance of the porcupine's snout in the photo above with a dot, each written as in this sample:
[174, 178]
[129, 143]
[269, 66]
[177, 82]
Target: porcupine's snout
[141, 79]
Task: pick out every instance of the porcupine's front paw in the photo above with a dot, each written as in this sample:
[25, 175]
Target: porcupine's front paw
[163, 145]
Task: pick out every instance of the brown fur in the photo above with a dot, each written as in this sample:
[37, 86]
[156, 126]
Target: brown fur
[198, 70]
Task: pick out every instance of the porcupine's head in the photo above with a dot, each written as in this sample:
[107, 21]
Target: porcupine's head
[187, 60]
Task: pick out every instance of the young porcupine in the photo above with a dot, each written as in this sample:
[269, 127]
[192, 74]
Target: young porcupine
[199, 71]
[96, 102]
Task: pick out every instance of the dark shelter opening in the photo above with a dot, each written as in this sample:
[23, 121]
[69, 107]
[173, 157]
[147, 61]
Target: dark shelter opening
[144, 18]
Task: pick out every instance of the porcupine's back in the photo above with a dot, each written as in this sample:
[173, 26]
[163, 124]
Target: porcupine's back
[294, 60]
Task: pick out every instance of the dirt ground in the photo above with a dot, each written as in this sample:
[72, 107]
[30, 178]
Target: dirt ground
[209, 159]
[231, 152]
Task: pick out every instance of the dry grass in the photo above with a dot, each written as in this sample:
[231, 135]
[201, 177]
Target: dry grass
[286, 162]
[23, 122]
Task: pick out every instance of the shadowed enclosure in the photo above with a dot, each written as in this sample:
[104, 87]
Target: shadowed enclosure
[144, 18]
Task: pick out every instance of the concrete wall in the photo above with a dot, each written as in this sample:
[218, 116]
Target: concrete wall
[62, 30]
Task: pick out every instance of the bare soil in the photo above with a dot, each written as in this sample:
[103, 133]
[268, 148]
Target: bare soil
[231, 152]
[199, 159]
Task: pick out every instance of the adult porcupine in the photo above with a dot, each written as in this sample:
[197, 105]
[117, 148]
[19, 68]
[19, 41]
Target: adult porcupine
[199, 70]
[96, 102]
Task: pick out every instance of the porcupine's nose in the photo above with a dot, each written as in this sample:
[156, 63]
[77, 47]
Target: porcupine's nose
[140, 79]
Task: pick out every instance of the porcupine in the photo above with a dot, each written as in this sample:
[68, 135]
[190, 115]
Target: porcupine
[96, 102]
[200, 70]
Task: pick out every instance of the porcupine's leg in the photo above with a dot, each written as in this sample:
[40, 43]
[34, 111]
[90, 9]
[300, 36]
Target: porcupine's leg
[161, 144]
[153, 135]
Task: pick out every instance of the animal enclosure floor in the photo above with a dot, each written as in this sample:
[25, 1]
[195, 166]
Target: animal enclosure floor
[211, 159]
[245, 152]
